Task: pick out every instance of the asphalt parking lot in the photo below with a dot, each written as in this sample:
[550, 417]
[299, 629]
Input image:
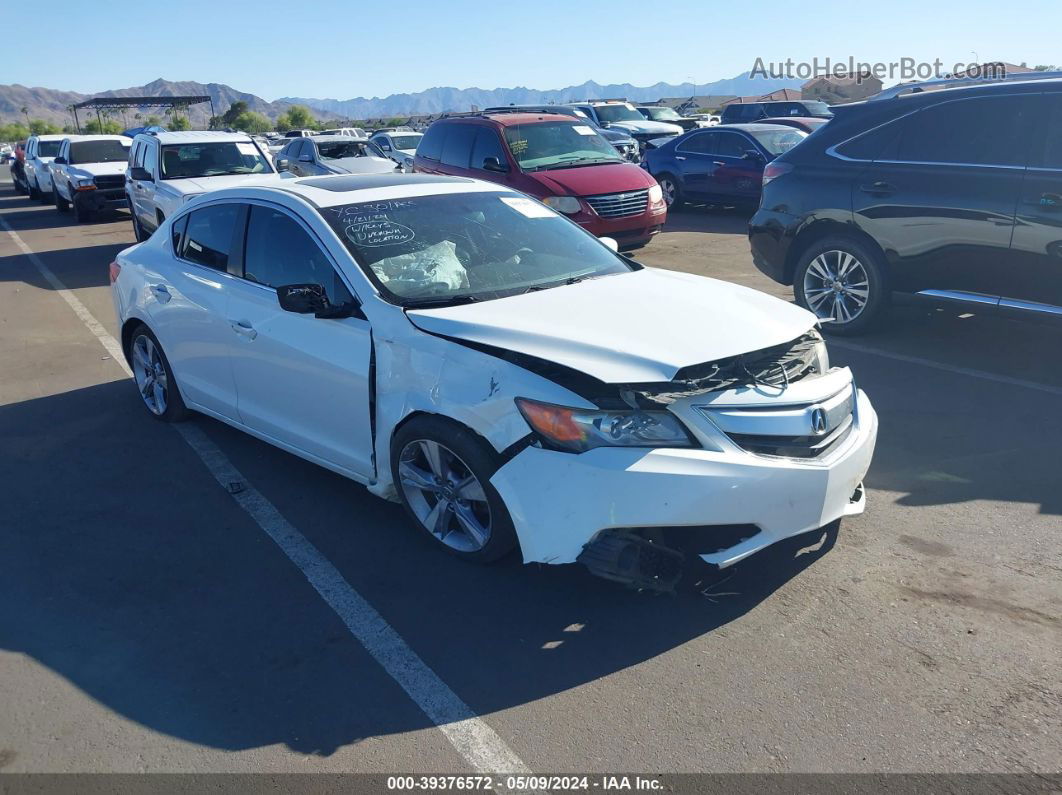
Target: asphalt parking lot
[148, 622]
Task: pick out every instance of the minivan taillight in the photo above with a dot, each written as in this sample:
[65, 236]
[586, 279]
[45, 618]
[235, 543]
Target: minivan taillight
[775, 170]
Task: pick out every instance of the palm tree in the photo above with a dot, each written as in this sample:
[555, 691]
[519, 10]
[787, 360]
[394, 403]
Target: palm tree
[25, 112]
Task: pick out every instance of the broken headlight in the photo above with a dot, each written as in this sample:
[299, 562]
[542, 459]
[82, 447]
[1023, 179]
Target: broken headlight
[579, 430]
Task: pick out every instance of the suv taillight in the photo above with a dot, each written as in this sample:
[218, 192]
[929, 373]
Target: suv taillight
[775, 170]
[115, 270]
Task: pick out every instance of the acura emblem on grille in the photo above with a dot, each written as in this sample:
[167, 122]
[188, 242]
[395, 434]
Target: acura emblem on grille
[818, 422]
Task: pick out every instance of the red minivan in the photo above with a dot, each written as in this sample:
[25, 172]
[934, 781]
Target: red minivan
[557, 160]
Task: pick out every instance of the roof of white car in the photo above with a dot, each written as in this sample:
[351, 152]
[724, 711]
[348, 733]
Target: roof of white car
[49, 137]
[340, 189]
[346, 138]
[80, 138]
[198, 137]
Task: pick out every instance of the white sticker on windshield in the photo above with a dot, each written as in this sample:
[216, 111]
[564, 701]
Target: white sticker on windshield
[247, 149]
[582, 129]
[528, 207]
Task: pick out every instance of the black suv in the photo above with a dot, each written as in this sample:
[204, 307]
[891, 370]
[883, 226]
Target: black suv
[953, 193]
[744, 112]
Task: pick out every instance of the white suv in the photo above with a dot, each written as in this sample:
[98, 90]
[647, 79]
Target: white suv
[167, 169]
[40, 151]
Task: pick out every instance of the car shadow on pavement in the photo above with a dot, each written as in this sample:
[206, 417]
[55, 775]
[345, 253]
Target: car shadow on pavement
[85, 266]
[709, 218]
[128, 571]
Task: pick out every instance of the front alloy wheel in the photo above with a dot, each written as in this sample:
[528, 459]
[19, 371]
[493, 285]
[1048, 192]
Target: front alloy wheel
[445, 495]
[672, 193]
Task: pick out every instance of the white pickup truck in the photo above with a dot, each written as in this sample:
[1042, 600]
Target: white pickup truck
[88, 173]
[167, 169]
[40, 149]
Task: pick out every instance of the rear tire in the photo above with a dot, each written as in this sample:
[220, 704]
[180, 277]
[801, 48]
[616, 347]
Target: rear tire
[442, 473]
[843, 281]
[154, 377]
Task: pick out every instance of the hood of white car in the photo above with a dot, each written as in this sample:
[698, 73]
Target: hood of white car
[98, 169]
[634, 327]
[363, 165]
[187, 185]
[648, 127]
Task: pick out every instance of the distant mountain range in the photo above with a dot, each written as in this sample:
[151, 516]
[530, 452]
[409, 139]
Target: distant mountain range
[53, 105]
[437, 100]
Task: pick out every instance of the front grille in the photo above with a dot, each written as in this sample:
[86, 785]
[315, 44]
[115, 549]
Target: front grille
[809, 430]
[794, 446]
[620, 205]
[110, 181]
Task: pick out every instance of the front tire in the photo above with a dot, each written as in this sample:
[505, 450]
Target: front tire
[154, 378]
[34, 194]
[843, 282]
[81, 215]
[61, 204]
[673, 196]
[442, 473]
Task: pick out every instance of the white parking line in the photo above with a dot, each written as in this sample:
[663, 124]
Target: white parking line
[950, 368]
[478, 743]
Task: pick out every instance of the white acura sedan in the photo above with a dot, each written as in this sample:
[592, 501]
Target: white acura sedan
[509, 378]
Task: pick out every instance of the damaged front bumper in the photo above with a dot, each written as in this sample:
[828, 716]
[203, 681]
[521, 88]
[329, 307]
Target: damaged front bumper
[734, 501]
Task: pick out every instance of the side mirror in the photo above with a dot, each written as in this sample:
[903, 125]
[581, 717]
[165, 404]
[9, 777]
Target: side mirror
[752, 154]
[139, 174]
[307, 299]
[282, 164]
[494, 164]
[60, 161]
[610, 242]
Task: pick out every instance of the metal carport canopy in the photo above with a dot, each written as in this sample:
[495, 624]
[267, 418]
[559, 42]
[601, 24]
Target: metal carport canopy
[98, 103]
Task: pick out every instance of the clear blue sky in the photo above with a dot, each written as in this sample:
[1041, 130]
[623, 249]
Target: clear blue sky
[325, 48]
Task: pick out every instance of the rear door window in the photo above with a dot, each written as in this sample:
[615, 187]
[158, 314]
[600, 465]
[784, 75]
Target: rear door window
[457, 149]
[432, 143]
[1047, 153]
[732, 145]
[209, 234]
[984, 131]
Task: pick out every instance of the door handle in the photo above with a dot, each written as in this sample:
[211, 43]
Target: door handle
[679, 157]
[243, 328]
[878, 188]
[161, 292]
[718, 163]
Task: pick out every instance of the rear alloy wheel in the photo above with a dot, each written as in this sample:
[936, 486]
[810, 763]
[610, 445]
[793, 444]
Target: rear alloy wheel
[154, 378]
[442, 473]
[841, 281]
[672, 191]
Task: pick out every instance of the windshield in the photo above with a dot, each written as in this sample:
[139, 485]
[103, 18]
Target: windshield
[781, 140]
[405, 141]
[337, 150]
[816, 108]
[48, 148]
[99, 152]
[180, 161]
[622, 112]
[558, 144]
[662, 114]
[454, 248]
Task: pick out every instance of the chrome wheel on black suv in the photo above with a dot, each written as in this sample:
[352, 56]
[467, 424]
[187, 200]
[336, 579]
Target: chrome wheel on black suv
[841, 282]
